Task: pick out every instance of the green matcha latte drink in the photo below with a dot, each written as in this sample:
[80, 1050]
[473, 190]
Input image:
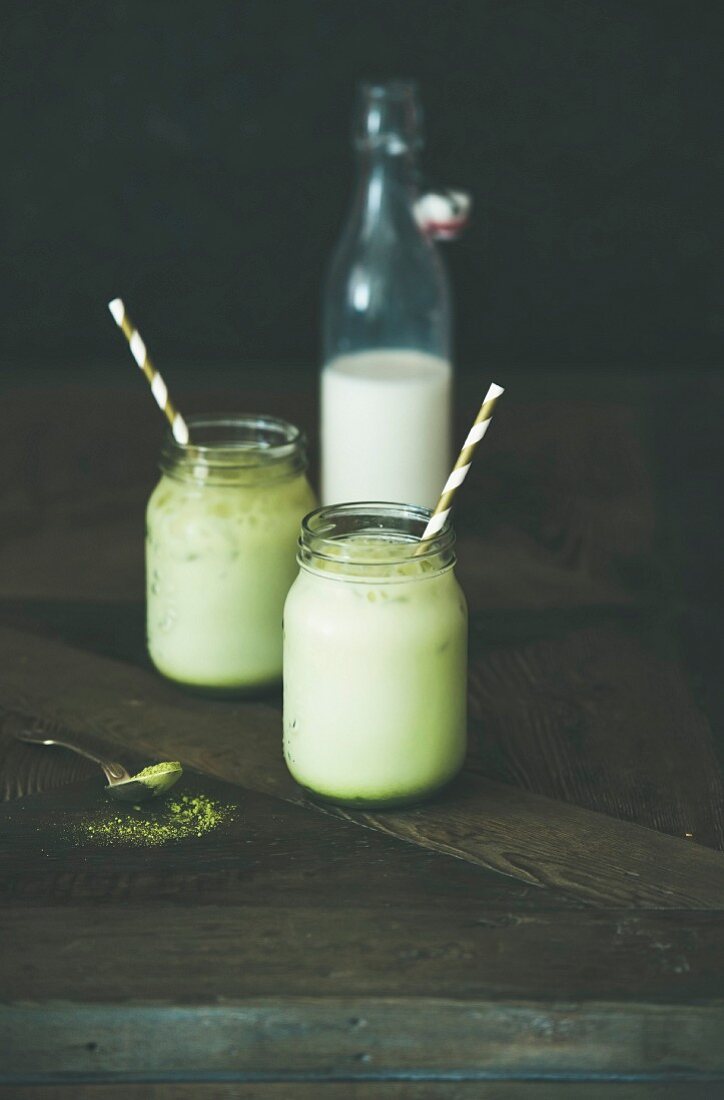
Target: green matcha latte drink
[375, 652]
[222, 527]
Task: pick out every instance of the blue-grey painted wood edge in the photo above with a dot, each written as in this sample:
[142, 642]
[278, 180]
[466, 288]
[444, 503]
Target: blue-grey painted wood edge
[359, 1039]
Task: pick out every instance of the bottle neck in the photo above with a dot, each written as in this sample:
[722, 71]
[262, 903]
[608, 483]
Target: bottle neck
[387, 186]
[387, 135]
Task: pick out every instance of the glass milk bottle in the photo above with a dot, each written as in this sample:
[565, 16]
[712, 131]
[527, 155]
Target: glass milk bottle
[386, 378]
[375, 652]
[221, 534]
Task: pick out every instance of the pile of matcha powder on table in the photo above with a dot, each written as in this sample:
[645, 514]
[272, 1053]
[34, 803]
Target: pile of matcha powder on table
[180, 819]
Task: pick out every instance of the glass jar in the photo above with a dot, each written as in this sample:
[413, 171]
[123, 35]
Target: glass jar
[375, 657]
[221, 532]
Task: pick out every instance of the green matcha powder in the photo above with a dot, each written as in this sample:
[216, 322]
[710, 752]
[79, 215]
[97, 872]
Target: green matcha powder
[156, 769]
[181, 818]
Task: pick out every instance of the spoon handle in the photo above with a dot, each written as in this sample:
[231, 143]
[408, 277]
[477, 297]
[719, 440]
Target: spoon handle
[35, 735]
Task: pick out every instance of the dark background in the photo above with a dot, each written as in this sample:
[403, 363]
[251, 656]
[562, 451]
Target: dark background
[194, 158]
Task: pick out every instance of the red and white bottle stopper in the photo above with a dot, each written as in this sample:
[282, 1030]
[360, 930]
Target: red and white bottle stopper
[443, 215]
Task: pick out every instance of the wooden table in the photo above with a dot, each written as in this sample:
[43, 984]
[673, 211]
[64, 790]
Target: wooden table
[549, 927]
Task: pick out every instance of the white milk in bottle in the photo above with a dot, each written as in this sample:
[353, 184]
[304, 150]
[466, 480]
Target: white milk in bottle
[386, 426]
[386, 380]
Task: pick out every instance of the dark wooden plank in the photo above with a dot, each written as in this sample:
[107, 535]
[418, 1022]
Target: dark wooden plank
[262, 926]
[376, 1090]
[566, 706]
[534, 839]
[269, 854]
[560, 499]
[22, 773]
[358, 1038]
[689, 483]
[597, 715]
[188, 952]
[561, 703]
[537, 840]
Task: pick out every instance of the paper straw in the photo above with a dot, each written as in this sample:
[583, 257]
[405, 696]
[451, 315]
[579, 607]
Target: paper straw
[158, 386]
[461, 467]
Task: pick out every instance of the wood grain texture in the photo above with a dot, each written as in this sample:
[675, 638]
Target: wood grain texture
[219, 954]
[245, 919]
[600, 716]
[561, 703]
[375, 1090]
[561, 502]
[23, 772]
[547, 843]
[537, 840]
[270, 854]
[355, 1038]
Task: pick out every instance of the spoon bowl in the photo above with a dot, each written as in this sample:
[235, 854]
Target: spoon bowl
[137, 788]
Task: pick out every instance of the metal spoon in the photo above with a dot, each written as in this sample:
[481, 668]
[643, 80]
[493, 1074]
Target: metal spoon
[121, 785]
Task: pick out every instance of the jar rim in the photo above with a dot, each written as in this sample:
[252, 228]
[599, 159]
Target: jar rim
[375, 519]
[225, 447]
[228, 442]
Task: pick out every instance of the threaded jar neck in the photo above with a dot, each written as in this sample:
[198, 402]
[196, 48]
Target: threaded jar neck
[243, 449]
[373, 541]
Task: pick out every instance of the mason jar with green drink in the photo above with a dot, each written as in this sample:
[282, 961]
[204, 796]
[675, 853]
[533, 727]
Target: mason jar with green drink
[375, 653]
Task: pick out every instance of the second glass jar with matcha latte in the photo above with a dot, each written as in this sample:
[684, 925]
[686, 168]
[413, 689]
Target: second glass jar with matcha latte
[221, 532]
[375, 657]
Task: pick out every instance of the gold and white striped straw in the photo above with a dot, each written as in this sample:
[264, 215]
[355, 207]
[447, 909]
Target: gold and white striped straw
[461, 467]
[159, 388]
